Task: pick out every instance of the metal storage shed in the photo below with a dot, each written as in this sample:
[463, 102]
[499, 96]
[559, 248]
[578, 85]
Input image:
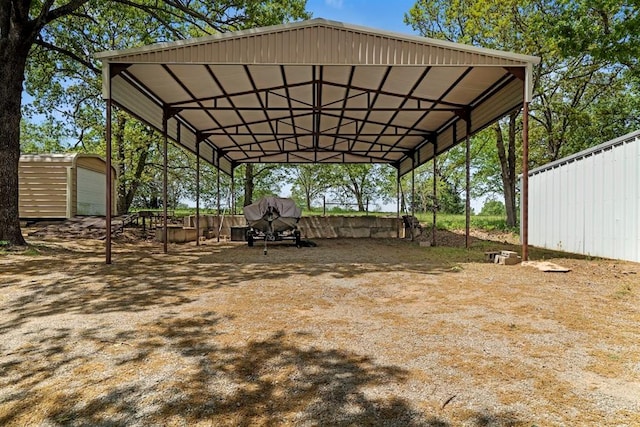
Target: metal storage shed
[589, 203]
[59, 186]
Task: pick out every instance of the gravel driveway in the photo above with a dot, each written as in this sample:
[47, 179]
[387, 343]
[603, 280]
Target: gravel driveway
[348, 333]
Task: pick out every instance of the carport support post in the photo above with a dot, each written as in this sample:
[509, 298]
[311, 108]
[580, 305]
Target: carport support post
[198, 193]
[164, 181]
[233, 190]
[525, 181]
[468, 180]
[435, 203]
[218, 181]
[398, 203]
[109, 183]
[413, 194]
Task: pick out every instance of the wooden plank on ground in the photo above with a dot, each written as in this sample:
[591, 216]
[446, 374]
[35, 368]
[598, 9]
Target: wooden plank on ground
[546, 266]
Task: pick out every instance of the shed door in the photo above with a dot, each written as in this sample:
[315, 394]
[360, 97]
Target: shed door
[91, 192]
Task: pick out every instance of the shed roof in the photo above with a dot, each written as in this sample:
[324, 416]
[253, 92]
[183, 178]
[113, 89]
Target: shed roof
[58, 157]
[316, 91]
[49, 157]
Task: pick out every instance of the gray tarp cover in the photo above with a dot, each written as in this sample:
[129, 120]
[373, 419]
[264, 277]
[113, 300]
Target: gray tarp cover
[286, 208]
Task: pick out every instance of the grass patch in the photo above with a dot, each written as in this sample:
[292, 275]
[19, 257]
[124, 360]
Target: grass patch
[5, 245]
[31, 251]
[7, 248]
[623, 291]
[342, 211]
[458, 222]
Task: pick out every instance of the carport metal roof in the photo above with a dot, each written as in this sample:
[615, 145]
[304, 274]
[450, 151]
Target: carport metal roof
[316, 91]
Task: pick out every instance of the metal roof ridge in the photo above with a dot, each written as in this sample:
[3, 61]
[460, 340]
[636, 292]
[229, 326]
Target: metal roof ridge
[586, 152]
[317, 22]
[436, 42]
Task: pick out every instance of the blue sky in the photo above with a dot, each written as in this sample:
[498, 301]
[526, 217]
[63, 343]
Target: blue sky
[380, 14]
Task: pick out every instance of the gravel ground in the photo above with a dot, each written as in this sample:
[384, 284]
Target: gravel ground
[348, 333]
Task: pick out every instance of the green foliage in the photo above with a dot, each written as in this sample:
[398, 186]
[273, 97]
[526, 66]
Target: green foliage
[606, 29]
[457, 222]
[493, 208]
[450, 183]
[44, 137]
[360, 183]
[486, 179]
[309, 182]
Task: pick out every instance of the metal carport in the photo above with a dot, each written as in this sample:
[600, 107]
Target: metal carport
[317, 91]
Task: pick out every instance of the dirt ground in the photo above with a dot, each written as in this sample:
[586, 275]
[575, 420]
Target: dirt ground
[349, 333]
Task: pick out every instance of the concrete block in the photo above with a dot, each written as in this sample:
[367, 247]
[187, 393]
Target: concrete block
[509, 254]
[383, 233]
[425, 244]
[354, 232]
[177, 234]
[490, 256]
[502, 260]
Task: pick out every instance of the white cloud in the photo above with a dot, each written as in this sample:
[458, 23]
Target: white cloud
[337, 4]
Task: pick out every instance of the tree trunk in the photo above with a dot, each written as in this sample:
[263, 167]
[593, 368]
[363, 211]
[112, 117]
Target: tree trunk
[135, 182]
[118, 139]
[13, 57]
[248, 184]
[128, 185]
[507, 157]
[359, 197]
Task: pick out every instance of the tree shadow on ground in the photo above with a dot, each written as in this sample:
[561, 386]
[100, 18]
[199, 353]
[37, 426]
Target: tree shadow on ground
[76, 280]
[184, 371]
[142, 278]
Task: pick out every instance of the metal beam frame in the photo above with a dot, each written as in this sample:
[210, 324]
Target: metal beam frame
[336, 120]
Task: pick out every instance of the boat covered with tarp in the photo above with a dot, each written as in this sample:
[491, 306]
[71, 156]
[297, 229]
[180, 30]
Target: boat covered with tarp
[273, 218]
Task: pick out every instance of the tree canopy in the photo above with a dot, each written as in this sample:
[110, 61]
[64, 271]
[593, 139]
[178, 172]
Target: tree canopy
[585, 87]
[49, 46]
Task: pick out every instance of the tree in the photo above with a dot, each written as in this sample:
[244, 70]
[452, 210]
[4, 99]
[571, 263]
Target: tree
[567, 84]
[30, 27]
[136, 146]
[508, 166]
[310, 181]
[492, 208]
[362, 182]
[261, 180]
[606, 29]
[447, 198]
[44, 137]
[490, 24]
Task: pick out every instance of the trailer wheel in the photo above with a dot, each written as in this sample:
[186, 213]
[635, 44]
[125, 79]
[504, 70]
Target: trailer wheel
[250, 239]
[297, 236]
